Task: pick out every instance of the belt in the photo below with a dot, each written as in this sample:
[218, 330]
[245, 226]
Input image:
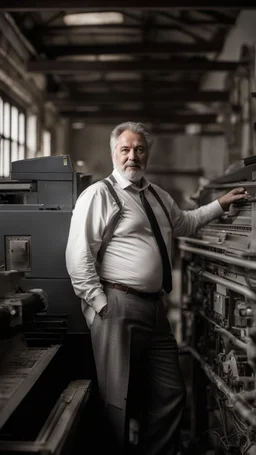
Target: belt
[128, 290]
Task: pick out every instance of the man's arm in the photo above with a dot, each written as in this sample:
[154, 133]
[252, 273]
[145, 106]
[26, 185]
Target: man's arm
[89, 219]
[188, 222]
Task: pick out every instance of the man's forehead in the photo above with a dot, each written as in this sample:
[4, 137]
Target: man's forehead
[128, 136]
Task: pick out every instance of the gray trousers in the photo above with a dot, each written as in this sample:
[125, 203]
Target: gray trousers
[138, 372]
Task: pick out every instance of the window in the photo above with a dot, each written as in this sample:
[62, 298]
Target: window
[31, 136]
[21, 136]
[12, 135]
[46, 143]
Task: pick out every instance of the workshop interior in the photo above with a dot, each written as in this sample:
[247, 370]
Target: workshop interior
[70, 71]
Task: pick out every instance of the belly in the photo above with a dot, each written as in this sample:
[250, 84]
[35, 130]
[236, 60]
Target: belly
[137, 264]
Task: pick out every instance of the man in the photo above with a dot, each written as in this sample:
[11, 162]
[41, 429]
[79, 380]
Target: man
[135, 352]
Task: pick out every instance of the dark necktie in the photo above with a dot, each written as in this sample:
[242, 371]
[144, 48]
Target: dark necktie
[167, 272]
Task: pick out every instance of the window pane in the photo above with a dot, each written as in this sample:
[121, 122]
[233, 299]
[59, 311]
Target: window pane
[6, 170]
[21, 152]
[31, 136]
[7, 120]
[14, 123]
[1, 158]
[14, 151]
[46, 143]
[21, 128]
[1, 116]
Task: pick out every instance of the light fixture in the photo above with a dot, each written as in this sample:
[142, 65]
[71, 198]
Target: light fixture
[220, 118]
[94, 18]
[193, 128]
[87, 108]
[78, 125]
[80, 163]
[233, 119]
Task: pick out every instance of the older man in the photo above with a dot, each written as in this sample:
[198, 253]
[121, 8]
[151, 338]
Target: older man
[118, 258]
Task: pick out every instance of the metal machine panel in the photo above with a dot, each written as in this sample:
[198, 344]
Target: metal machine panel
[43, 167]
[18, 256]
[55, 193]
[62, 300]
[48, 230]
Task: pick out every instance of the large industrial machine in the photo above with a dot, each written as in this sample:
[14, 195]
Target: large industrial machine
[218, 267]
[35, 210]
[47, 403]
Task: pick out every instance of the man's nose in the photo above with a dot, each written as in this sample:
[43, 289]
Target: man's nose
[132, 154]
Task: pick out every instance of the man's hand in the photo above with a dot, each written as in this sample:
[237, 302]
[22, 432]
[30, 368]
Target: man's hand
[103, 311]
[232, 196]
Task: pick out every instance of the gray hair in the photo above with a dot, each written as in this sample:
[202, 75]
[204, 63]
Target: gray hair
[137, 128]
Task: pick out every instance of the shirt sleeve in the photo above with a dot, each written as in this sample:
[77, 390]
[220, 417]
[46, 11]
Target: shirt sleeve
[187, 222]
[89, 219]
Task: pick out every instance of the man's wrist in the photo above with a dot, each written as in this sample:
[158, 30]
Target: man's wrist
[98, 302]
[103, 310]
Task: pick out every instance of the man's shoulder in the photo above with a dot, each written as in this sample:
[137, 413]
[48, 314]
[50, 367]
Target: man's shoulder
[96, 188]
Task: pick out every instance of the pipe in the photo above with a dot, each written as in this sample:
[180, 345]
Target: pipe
[249, 395]
[251, 450]
[243, 290]
[220, 186]
[221, 257]
[235, 341]
[209, 319]
[246, 411]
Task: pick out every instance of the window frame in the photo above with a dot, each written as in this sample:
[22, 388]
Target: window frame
[13, 142]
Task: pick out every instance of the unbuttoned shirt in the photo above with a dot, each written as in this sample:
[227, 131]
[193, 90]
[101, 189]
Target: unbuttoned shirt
[132, 256]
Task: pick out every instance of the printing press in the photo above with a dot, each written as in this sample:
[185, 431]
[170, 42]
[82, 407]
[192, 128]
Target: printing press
[46, 394]
[218, 274]
[35, 210]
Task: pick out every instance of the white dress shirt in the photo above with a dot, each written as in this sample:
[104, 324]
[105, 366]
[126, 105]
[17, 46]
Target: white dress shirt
[132, 257]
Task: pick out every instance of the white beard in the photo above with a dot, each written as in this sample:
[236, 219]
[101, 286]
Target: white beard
[133, 176]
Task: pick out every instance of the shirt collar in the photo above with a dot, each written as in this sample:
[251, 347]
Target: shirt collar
[125, 183]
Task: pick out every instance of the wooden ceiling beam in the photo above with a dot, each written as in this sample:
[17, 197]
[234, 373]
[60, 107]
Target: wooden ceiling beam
[93, 5]
[104, 85]
[163, 116]
[182, 130]
[152, 65]
[98, 98]
[149, 48]
[45, 31]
